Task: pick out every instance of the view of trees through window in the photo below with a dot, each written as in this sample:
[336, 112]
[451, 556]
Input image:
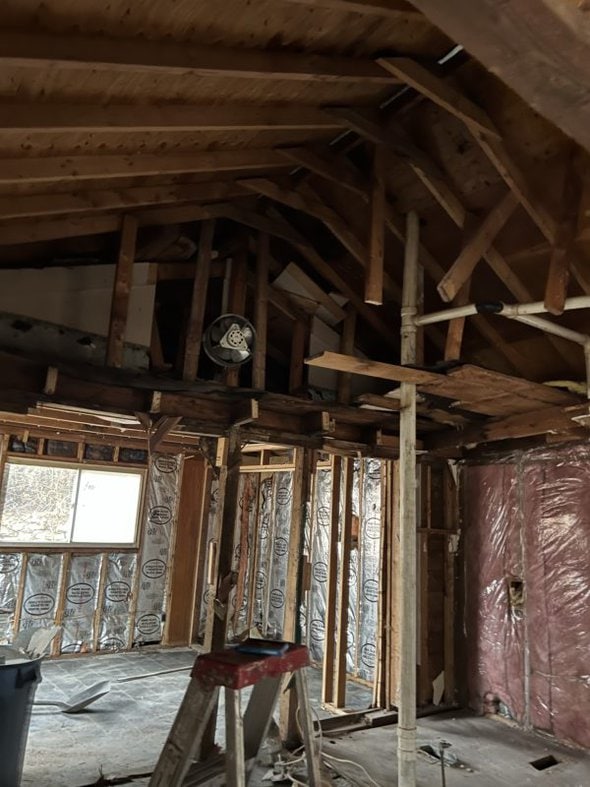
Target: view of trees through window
[44, 503]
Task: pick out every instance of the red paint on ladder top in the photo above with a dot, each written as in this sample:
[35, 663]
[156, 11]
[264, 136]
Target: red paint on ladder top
[238, 670]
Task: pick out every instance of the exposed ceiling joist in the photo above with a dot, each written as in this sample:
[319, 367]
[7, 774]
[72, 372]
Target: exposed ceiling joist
[93, 52]
[386, 8]
[18, 207]
[78, 168]
[338, 171]
[442, 93]
[58, 117]
[54, 229]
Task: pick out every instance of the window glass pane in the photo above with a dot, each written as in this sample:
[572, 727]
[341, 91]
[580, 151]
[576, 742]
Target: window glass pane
[37, 503]
[108, 505]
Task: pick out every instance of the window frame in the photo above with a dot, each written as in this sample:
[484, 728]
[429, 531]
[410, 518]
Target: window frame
[76, 546]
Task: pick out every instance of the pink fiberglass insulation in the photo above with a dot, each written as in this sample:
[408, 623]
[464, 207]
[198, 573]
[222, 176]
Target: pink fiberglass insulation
[527, 589]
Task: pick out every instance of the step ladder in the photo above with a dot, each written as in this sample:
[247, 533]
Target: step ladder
[235, 671]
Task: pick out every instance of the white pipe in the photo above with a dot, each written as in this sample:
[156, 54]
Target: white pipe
[506, 310]
[447, 314]
[550, 327]
[406, 729]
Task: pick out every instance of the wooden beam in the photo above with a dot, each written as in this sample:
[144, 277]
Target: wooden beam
[44, 118]
[320, 296]
[162, 429]
[261, 312]
[344, 587]
[303, 473]
[305, 200]
[32, 231]
[383, 371]
[299, 349]
[347, 348]
[386, 8]
[516, 181]
[440, 92]
[431, 176]
[18, 207]
[275, 226]
[41, 49]
[375, 263]
[194, 329]
[406, 737]
[558, 275]
[327, 272]
[47, 169]
[121, 292]
[511, 427]
[332, 583]
[336, 169]
[539, 50]
[456, 327]
[475, 247]
[237, 302]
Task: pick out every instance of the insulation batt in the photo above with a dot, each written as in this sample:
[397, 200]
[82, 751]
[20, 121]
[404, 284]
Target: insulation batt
[527, 520]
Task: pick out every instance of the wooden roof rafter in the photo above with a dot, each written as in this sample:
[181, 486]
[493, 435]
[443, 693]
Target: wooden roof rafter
[41, 49]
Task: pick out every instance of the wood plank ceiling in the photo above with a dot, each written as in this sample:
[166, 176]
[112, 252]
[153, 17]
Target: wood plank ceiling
[319, 123]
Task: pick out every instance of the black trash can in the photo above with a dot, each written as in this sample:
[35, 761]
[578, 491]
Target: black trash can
[18, 682]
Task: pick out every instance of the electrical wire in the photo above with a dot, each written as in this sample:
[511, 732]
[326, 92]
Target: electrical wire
[323, 754]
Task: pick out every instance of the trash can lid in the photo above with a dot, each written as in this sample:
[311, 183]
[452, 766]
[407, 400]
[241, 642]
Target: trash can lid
[10, 657]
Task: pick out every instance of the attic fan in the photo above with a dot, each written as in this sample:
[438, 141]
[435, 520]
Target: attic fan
[229, 340]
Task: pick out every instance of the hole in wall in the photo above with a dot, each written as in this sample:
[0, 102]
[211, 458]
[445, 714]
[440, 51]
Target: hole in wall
[544, 762]
[516, 592]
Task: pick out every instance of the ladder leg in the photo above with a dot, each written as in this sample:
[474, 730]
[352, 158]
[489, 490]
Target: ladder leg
[184, 740]
[235, 766]
[258, 715]
[313, 760]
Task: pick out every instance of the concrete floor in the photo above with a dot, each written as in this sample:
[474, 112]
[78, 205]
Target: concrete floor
[494, 754]
[123, 733]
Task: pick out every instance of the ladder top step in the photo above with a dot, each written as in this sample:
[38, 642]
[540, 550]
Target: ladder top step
[237, 670]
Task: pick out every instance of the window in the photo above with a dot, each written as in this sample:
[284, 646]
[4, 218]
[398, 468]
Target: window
[61, 504]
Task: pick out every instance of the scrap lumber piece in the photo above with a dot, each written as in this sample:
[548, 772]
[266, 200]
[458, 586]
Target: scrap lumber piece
[121, 292]
[384, 371]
